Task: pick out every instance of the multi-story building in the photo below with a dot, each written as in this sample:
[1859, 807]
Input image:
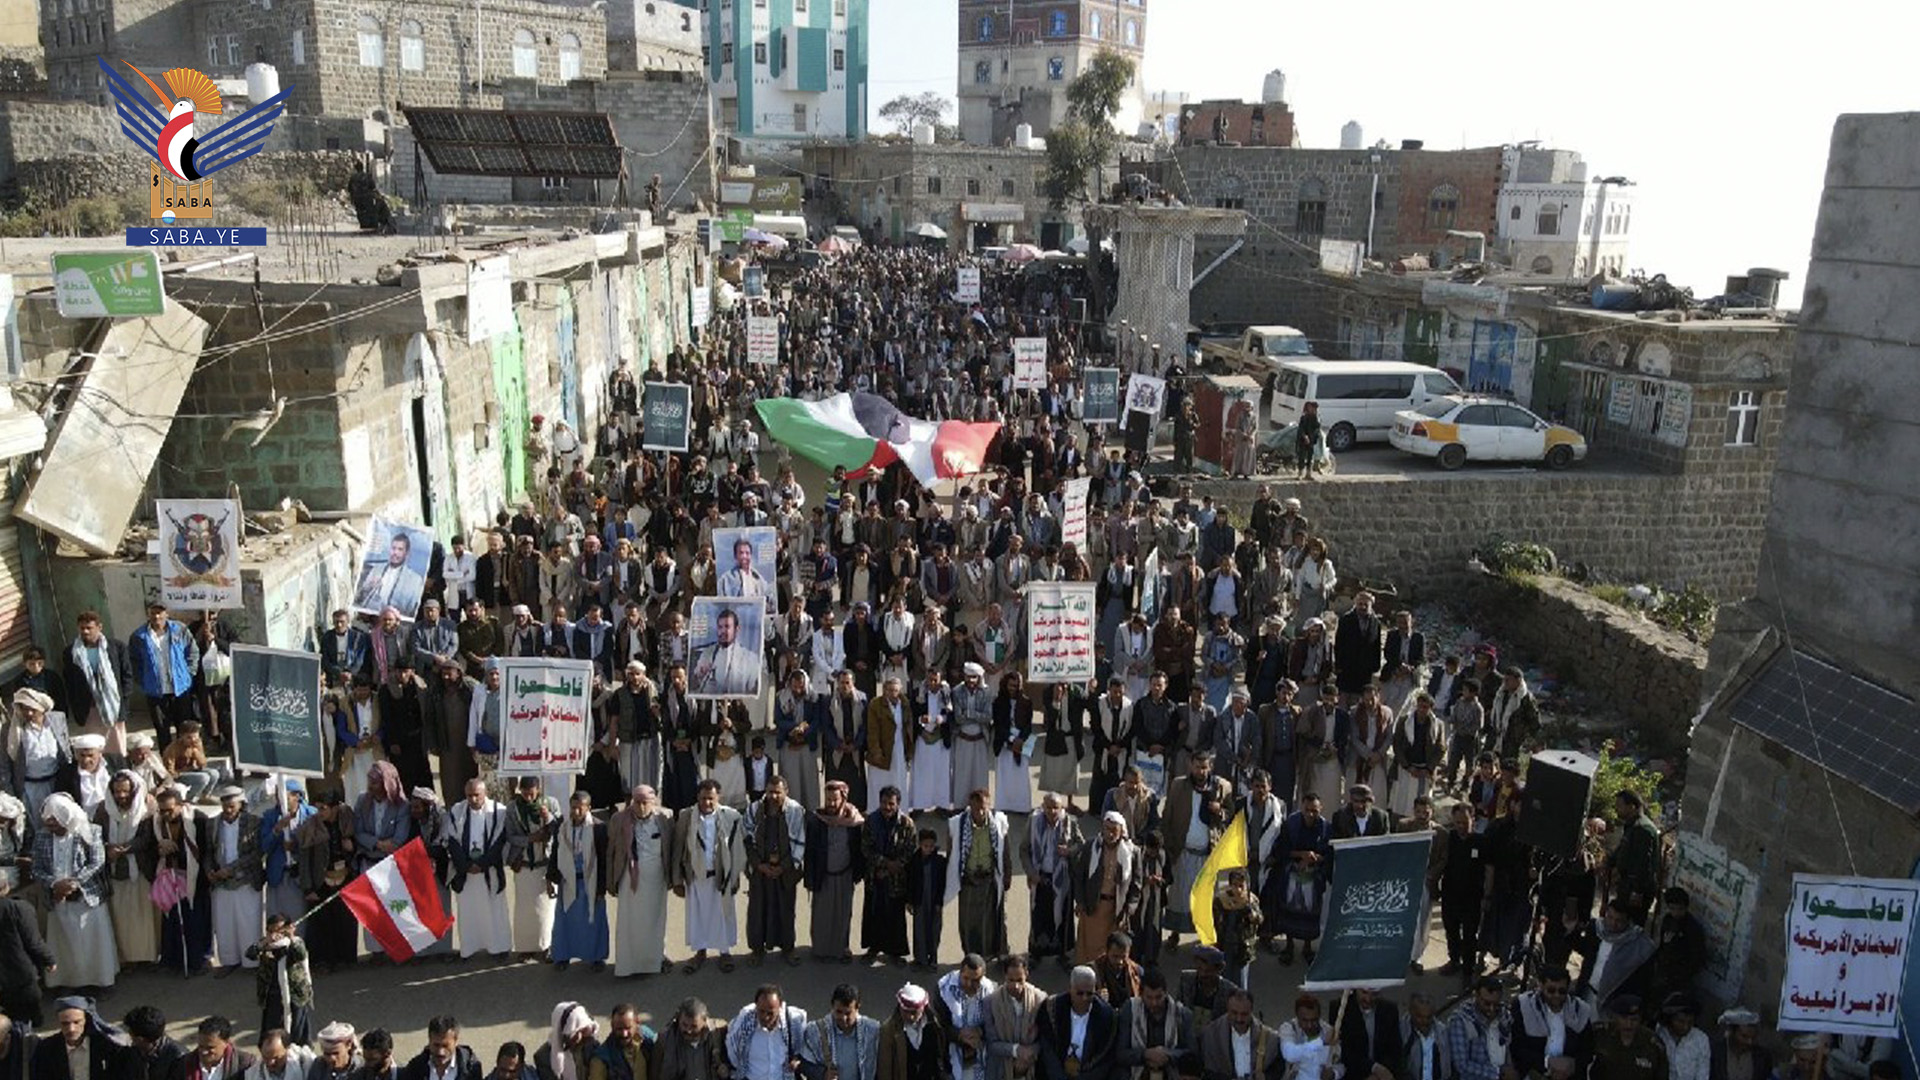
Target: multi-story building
[981, 196]
[788, 69]
[1017, 57]
[1554, 220]
[653, 35]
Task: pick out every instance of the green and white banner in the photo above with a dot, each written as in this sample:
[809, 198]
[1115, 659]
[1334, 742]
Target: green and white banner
[276, 712]
[1374, 918]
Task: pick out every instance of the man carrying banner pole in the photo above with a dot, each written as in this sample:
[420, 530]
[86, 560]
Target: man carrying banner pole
[1373, 912]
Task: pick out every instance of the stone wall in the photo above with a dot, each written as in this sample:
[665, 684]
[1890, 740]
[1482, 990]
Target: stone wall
[1417, 531]
[42, 130]
[1623, 663]
[57, 181]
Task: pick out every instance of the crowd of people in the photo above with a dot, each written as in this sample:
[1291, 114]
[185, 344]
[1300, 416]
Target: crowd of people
[1243, 679]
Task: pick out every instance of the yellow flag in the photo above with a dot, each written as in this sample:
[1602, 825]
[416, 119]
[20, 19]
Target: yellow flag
[1230, 852]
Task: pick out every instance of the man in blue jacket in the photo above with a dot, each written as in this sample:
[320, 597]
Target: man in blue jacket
[164, 655]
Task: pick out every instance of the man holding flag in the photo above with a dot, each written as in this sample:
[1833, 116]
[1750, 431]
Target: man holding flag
[1191, 828]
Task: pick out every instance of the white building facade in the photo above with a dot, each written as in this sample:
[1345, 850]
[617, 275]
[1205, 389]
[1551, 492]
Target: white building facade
[786, 70]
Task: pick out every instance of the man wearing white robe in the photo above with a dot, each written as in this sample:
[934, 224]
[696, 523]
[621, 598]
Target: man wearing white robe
[710, 845]
[238, 872]
[478, 830]
[640, 868]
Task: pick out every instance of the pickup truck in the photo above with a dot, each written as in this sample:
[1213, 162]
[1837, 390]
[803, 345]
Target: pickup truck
[1259, 350]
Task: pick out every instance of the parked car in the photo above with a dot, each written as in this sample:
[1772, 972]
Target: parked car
[1258, 350]
[1459, 429]
[1358, 398]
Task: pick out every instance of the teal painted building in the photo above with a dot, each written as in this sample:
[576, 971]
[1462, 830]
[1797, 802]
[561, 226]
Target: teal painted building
[788, 69]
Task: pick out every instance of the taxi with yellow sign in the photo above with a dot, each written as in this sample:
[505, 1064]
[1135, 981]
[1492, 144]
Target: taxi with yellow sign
[1456, 430]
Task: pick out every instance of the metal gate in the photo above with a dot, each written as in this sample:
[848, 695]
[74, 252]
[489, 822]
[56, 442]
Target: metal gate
[16, 631]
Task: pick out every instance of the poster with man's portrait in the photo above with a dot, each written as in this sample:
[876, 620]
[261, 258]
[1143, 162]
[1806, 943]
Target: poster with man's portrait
[199, 552]
[393, 572]
[728, 635]
[745, 561]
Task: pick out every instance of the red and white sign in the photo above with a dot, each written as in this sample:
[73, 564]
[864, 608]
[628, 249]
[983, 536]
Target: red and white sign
[1029, 363]
[1073, 513]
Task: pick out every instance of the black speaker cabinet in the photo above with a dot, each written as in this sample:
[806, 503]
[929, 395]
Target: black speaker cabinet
[1553, 810]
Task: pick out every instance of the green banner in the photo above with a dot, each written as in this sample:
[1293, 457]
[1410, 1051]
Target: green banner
[276, 712]
[108, 284]
[1100, 403]
[667, 414]
[1376, 911]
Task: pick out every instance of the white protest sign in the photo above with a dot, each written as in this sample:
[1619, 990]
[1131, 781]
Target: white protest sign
[547, 714]
[1060, 629]
[967, 285]
[1073, 513]
[763, 339]
[1846, 954]
[1029, 363]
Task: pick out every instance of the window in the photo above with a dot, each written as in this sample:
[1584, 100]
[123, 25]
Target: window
[1743, 418]
[1093, 24]
[233, 49]
[933, 185]
[799, 7]
[1133, 33]
[1481, 415]
[569, 57]
[1542, 264]
[1310, 211]
[896, 185]
[1547, 222]
[1515, 417]
[706, 56]
[1515, 215]
[1443, 206]
[759, 53]
[1056, 68]
[413, 49]
[299, 47]
[373, 44]
[555, 183]
[840, 8]
[985, 32]
[973, 186]
[726, 52]
[1057, 24]
[526, 55]
[213, 48]
[759, 3]
[839, 59]
[1006, 187]
[1439, 382]
[1340, 387]
[800, 116]
[982, 71]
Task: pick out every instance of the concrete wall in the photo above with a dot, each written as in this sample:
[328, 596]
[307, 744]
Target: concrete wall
[891, 183]
[1622, 662]
[1838, 562]
[1417, 532]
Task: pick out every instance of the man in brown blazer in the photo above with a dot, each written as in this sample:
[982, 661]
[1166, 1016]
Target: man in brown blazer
[641, 867]
[889, 742]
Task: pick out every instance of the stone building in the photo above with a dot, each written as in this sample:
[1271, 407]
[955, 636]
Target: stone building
[408, 400]
[787, 70]
[1554, 220]
[1017, 57]
[1808, 757]
[1240, 123]
[653, 35]
[981, 196]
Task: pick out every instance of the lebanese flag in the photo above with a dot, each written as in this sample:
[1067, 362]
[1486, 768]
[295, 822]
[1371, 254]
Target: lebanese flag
[867, 432]
[398, 902]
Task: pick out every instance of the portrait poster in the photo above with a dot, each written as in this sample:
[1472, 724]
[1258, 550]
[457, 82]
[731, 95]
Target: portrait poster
[1061, 622]
[1146, 394]
[548, 720]
[1846, 954]
[727, 635]
[666, 413]
[744, 560]
[393, 571]
[199, 552]
[276, 712]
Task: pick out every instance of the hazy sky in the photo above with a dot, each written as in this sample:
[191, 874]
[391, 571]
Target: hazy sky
[1721, 112]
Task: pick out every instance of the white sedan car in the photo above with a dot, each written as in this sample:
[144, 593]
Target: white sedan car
[1456, 430]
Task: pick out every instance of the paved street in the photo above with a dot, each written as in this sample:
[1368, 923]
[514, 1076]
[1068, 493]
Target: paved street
[498, 1002]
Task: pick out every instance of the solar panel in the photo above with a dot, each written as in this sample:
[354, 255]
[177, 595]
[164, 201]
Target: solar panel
[511, 143]
[1865, 733]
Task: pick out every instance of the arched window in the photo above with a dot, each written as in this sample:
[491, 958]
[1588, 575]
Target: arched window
[1443, 207]
[1133, 33]
[1542, 265]
[526, 56]
[413, 49]
[569, 57]
[982, 71]
[986, 28]
[373, 43]
[1547, 221]
[1310, 209]
[1057, 24]
[1056, 68]
[1094, 25]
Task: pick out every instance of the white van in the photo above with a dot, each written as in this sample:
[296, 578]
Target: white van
[1357, 397]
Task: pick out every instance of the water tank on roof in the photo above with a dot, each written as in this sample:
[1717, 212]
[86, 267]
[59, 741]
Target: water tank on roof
[263, 81]
[1275, 86]
[923, 134]
[1023, 136]
[1412, 144]
[1351, 136]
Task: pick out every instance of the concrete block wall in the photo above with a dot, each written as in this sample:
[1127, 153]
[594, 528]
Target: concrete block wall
[55, 181]
[1475, 174]
[1621, 662]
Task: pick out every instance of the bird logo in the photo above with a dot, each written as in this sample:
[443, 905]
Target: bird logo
[184, 151]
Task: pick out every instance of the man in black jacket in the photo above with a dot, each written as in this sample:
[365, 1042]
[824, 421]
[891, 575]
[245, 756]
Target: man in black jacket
[1370, 1046]
[16, 1050]
[80, 1026]
[156, 1054]
[23, 956]
[444, 1052]
[1090, 1057]
[1357, 651]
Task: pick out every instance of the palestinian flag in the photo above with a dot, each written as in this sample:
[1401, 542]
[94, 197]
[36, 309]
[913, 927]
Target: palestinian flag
[865, 431]
[399, 903]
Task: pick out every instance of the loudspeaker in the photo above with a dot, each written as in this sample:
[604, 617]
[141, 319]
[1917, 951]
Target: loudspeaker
[1553, 808]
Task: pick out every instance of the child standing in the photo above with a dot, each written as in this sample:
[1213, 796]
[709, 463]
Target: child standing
[927, 897]
[1153, 900]
[284, 984]
[1236, 924]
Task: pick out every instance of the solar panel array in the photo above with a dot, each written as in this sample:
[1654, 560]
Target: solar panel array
[466, 142]
[1856, 729]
